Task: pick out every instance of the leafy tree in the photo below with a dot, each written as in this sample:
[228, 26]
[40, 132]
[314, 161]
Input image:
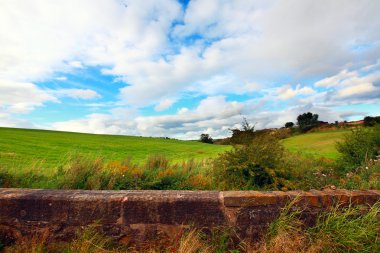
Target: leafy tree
[371, 121]
[205, 138]
[289, 124]
[307, 121]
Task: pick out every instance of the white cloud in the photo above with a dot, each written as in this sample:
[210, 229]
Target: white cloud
[7, 121]
[118, 121]
[61, 78]
[362, 88]
[353, 86]
[286, 92]
[212, 48]
[164, 104]
[257, 44]
[76, 64]
[21, 97]
[77, 93]
[214, 115]
[210, 113]
[40, 37]
[137, 42]
[336, 79]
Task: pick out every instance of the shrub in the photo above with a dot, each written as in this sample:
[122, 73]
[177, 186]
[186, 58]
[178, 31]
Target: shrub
[124, 175]
[25, 179]
[250, 167]
[84, 173]
[358, 147]
[166, 179]
[244, 135]
[371, 121]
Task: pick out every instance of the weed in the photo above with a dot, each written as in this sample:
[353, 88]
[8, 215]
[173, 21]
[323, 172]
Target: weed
[353, 229]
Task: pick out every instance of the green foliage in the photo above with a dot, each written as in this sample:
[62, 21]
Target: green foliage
[307, 121]
[288, 221]
[289, 124]
[358, 147]
[221, 240]
[84, 173]
[348, 230]
[23, 179]
[244, 135]
[205, 138]
[257, 165]
[262, 164]
[371, 121]
[351, 229]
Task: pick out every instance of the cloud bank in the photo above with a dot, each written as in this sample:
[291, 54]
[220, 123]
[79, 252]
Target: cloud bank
[265, 60]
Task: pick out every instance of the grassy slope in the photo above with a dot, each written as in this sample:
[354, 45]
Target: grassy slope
[319, 144]
[48, 149]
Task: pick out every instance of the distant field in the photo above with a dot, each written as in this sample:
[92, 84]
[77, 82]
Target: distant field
[23, 147]
[319, 144]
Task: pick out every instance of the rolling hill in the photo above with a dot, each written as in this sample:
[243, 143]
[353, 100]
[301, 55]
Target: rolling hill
[25, 147]
[319, 144]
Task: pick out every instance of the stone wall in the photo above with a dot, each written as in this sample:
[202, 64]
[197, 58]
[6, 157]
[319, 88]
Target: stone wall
[136, 216]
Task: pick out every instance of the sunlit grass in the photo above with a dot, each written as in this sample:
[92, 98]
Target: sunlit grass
[318, 144]
[20, 148]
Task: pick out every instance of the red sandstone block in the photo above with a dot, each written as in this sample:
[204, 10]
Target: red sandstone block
[325, 198]
[312, 199]
[249, 198]
[341, 197]
[173, 207]
[377, 192]
[60, 206]
[282, 197]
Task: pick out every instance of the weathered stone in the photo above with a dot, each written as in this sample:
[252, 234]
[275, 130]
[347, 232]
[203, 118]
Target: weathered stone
[173, 207]
[249, 198]
[137, 216]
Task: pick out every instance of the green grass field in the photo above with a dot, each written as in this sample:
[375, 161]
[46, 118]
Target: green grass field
[319, 144]
[49, 149]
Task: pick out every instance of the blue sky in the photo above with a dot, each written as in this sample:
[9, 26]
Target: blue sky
[182, 68]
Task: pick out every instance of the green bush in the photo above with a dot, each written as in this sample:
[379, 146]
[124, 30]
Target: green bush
[28, 179]
[371, 121]
[358, 148]
[255, 166]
